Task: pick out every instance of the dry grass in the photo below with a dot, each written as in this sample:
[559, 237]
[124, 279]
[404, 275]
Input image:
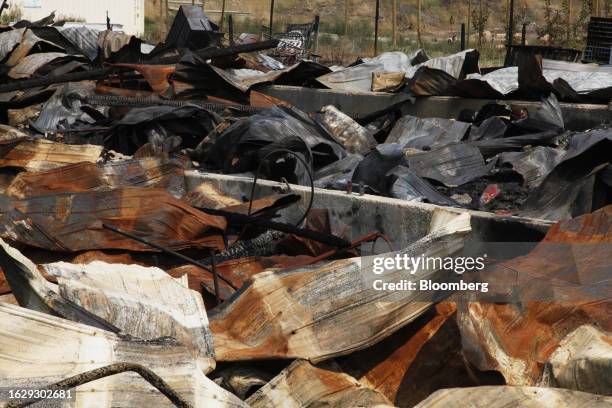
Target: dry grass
[437, 24]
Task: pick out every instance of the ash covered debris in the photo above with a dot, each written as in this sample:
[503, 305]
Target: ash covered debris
[176, 232]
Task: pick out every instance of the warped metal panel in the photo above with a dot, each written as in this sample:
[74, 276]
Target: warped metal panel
[73, 221]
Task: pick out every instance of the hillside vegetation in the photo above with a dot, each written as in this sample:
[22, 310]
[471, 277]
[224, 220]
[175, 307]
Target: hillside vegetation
[441, 19]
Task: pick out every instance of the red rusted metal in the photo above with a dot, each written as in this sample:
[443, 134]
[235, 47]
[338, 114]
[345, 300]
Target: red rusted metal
[155, 75]
[73, 221]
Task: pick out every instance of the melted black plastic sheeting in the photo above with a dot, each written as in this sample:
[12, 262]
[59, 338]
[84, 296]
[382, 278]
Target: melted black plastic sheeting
[189, 122]
[237, 149]
[372, 171]
[207, 79]
[427, 133]
[533, 164]
[336, 176]
[404, 184]
[452, 165]
[572, 188]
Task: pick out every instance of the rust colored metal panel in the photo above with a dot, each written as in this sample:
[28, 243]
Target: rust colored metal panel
[324, 311]
[570, 267]
[40, 154]
[262, 100]
[418, 360]
[155, 75]
[147, 172]
[207, 195]
[73, 221]
[198, 279]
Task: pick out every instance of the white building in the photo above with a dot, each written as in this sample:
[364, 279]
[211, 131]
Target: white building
[128, 13]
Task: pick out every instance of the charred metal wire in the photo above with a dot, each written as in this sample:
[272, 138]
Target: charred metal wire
[371, 237]
[111, 100]
[164, 249]
[308, 168]
[215, 278]
[327, 239]
[262, 245]
[107, 371]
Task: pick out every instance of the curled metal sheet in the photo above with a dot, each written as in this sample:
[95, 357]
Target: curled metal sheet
[582, 361]
[41, 154]
[73, 221]
[27, 43]
[30, 64]
[9, 40]
[143, 302]
[350, 134]
[110, 42]
[562, 284]
[533, 164]
[84, 38]
[327, 310]
[568, 190]
[155, 75]
[86, 176]
[406, 185]
[426, 133]
[453, 164]
[359, 77]
[33, 340]
[337, 175]
[315, 386]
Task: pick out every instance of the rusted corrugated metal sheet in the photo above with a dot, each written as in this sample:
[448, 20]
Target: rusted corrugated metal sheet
[85, 176]
[524, 397]
[303, 385]
[565, 280]
[46, 349]
[324, 311]
[40, 154]
[73, 221]
[419, 359]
